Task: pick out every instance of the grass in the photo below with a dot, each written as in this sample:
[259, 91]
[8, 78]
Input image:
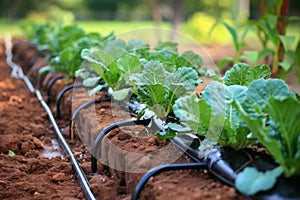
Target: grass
[9, 26]
[134, 29]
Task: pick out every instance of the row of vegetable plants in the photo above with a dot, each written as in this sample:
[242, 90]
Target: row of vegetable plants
[243, 109]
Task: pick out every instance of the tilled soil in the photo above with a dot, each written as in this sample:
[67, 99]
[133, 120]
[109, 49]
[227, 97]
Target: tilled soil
[25, 130]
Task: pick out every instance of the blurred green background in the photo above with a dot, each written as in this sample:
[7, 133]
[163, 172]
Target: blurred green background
[194, 18]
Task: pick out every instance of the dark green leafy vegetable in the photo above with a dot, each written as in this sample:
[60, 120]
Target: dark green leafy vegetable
[242, 74]
[279, 131]
[159, 88]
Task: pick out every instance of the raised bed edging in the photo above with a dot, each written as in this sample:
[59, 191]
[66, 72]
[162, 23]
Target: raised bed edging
[126, 181]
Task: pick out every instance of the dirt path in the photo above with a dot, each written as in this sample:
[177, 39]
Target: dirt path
[25, 130]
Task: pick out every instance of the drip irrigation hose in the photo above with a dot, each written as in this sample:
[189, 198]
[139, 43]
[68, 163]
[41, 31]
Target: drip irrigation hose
[216, 165]
[19, 74]
[61, 94]
[162, 168]
[77, 111]
[50, 85]
[35, 57]
[105, 131]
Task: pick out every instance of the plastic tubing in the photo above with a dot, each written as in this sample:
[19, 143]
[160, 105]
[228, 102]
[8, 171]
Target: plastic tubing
[77, 111]
[105, 131]
[35, 57]
[78, 171]
[61, 94]
[50, 85]
[162, 168]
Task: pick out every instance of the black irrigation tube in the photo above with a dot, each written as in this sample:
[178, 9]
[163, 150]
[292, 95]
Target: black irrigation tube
[105, 131]
[19, 74]
[77, 111]
[162, 168]
[34, 58]
[50, 85]
[61, 94]
[212, 157]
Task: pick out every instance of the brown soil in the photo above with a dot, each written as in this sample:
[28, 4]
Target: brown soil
[25, 130]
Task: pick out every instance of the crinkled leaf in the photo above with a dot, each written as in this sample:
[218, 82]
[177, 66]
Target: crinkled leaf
[153, 73]
[183, 80]
[220, 96]
[193, 112]
[128, 64]
[97, 56]
[193, 59]
[115, 52]
[155, 97]
[242, 74]
[250, 180]
[260, 90]
[233, 131]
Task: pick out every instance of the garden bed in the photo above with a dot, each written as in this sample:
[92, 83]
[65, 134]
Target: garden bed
[126, 153]
[36, 134]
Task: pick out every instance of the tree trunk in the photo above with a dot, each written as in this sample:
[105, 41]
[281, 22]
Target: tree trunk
[178, 16]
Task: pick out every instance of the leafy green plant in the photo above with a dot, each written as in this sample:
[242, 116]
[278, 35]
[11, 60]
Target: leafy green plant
[11, 153]
[214, 116]
[115, 62]
[158, 88]
[63, 43]
[238, 43]
[277, 129]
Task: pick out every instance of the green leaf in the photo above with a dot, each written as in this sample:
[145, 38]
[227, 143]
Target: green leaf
[184, 78]
[120, 95]
[287, 41]
[193, 112]
[242, 74]
[11, 153]
[232, 130]
[179, 127]
[98, 57]
[96, 89]
[250, 180]
[194, 59]
[251, 56]
[156, 97]
[153, 73]
[90, 82]
[286, 65]
[233, 34]
[128, 64]
[260, 90]
[279, 132]
[137, 44]
[220, 96]
[170, 46]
